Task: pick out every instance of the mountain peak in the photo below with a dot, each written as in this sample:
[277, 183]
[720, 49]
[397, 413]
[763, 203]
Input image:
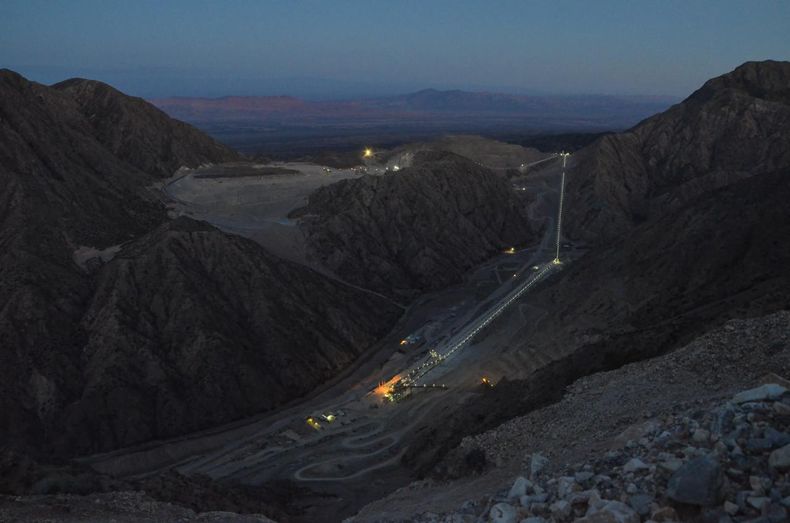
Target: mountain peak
[768, 79]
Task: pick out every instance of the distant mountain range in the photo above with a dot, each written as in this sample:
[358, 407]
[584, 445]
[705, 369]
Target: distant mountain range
[615, 110]
[288, 125]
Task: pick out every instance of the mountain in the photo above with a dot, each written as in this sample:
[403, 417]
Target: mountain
[417, 229]
[187, 317]
[117, 326]
[714, 251]
[139, 133]
[735, 126]
[427, 101]
[287, 127]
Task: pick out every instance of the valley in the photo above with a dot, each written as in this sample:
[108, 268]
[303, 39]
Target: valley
[345, 442]
[319, 342]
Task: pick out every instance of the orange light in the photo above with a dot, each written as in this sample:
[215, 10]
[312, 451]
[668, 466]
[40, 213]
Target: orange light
[368, 152]
[403, 342]
[384, 389]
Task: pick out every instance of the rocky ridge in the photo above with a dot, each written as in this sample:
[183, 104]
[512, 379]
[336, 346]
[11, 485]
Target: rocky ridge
[417, 229]
[149, 338]
[188, 315]
[733, 127]
[139, 133]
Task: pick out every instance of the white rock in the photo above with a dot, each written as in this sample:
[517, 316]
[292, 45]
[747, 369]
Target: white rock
[537, 464]
[519, 488]
[769, 391]
[565, 486]
[560, 509]
[615, 510]
[502, 513]
[635, 464]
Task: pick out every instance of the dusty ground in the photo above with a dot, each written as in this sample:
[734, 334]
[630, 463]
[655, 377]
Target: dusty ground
[119, 507]
[236, 199]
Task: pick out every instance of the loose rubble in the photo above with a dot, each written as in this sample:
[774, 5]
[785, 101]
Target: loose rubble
[725, 464]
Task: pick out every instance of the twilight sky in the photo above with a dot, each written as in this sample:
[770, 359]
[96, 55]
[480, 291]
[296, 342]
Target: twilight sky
[338, 48]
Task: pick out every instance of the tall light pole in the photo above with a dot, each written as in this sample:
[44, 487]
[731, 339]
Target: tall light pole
[559, 213]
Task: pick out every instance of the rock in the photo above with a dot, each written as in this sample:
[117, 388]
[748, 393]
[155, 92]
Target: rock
[641, 503]
[782, 409]
[526, 501]
[534, 519]
[537, 463]
[590, 497]
[519, 488]
[776, 438]
[758, 485]
[560, 509]
[565, 486]
[758, 501]
[780, 458]
[582, 477]
[701, 436]
[666, 514]
[698, 482]
[634, 465]
[610, 512]
[770, 391]
[776, 513]
[731, 508]
[671, 465]
[502, 513]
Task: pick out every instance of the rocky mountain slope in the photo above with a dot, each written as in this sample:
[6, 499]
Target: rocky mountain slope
[185, 328]
[139, 133]
[188, 316]
[615, 440]
[733, 127]
[662, 283]
[416, 229]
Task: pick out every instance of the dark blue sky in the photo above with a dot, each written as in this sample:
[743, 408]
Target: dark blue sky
[334, 48]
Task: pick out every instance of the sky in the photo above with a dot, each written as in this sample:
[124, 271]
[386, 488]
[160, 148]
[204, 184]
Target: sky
[344, 48]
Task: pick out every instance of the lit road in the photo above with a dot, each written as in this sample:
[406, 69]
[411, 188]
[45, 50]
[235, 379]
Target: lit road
[417, 375]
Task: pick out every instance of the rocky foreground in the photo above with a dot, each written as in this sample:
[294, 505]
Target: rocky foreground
[726, 464]
[700, 434]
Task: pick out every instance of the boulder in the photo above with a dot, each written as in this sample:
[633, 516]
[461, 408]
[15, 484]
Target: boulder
[560, 509]
[537, 463]
[769, 391]
[610, 512]
[780, 458]
[697, 482]
[634, 465]
[502, 513]
[519, 488]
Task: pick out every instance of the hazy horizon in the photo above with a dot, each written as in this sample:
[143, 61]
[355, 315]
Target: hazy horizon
[319, 50]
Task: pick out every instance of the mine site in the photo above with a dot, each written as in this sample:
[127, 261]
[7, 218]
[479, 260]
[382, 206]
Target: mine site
[445, 262]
